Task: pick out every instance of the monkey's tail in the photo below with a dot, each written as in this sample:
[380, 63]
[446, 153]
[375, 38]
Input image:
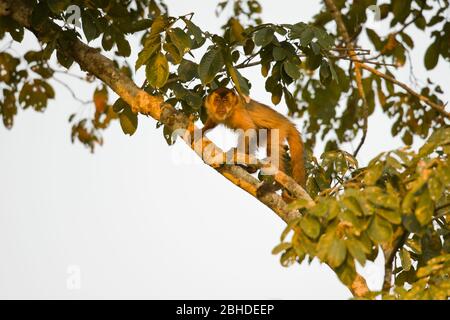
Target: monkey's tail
[297, 161]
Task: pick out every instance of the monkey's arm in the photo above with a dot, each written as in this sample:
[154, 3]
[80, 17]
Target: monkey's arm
[209, 124]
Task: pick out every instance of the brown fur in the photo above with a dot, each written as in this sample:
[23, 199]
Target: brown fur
[225, 107]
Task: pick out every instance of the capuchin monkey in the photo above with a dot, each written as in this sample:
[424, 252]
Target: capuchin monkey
[225, 107]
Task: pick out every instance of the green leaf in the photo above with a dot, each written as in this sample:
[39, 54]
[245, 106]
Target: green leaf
[157, 70]
[432, 56]
[128, 121]
[425, 208]
[356, 249]
[65, 60]
[196, 32]
[211, 63]
[374, 38]
[307, 36]
[173, 54]
[291, 69]
[279, 53]
[180, 39]
[167, 132]
[336, 253]
[107, 40]
[281, 247]
[89, 26]
[187, 70]
[436, 188]
[407, 138]
[123, 46]
[393, 216]
[119, 105]
[238, 80]
[58, 6]
[264, 36]
[379, 230]
[405, 258]
[146, 54]
[401, 9]
[353, 205]
[310, 226]
[373, 173]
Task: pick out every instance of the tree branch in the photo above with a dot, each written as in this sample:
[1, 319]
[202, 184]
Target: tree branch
[357, 66]
[438, 107]
[390, 251]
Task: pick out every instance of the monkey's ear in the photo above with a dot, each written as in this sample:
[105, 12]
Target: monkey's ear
[247, 99]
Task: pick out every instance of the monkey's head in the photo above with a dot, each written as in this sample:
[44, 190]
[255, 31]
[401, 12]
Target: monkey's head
[220, 103]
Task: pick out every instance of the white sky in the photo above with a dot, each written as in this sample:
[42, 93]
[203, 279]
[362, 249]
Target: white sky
[139, 224]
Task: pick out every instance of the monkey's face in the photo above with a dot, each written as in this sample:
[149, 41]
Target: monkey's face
[220, 103]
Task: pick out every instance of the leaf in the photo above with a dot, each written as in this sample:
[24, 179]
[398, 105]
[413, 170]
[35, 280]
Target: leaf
[357, 250]
[107, 40]
[89, 27]
[35, 94]
[128, 121]
[373, 173]
[57, 6]
[353, 205]
[424, 209]
[167, 132]
[432, 56]
[393, 216]
[237, 30]
[196, 32]
[401, 9]
[436, 188]
[123, 46]
[291, 69]
[157, 70]
[374, 38]
[279, 53]
[379, 230]
[290, 100]
[407, 138]
[173, 54]
[238, 80]
[264, 36]
[187, 70]
[281, 247]
[306, 36]
[405, 258]
[180, 39]
[119, 105]
[310, 226]
[336, 253]
[211, 63]
[146, 54]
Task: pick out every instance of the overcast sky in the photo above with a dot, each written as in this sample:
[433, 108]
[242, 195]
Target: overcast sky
[133, 221]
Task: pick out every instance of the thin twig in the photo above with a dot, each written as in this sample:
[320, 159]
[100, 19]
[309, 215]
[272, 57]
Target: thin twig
[357, 65]
[438, 107]
[65, 85]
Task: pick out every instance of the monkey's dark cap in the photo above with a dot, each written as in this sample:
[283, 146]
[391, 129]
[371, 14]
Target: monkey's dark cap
[222, 92]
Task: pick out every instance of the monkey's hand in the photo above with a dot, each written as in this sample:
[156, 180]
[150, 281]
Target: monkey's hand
[240, 159]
